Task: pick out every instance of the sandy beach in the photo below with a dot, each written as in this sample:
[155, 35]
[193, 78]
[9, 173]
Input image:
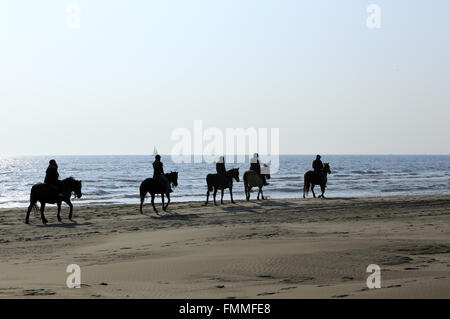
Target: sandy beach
[260, 249]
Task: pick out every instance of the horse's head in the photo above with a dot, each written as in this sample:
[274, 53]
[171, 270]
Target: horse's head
[234, 173]
[74, 186]
[326, 168]
[265, 170]
[173, 178]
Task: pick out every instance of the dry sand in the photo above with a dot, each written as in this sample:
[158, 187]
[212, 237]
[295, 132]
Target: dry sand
[268, 249]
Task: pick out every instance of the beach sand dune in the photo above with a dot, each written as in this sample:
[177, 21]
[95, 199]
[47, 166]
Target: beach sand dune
[261, 249]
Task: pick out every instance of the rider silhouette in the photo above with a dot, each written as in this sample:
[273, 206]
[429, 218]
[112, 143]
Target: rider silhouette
[220, 166]
[318, 168]
[158, 174]
[52, 176]
[256, 167]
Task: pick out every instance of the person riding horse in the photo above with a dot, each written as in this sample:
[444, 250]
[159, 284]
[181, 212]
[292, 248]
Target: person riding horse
[256, 167]
[318, 168]
[52, 176]
[158, 174]
[220, 166]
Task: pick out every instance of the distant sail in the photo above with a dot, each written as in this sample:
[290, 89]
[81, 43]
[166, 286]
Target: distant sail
[155, 151]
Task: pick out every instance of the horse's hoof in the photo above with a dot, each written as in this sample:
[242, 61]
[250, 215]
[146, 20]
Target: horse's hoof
[45, 222]
[27, 221]
[59, 219]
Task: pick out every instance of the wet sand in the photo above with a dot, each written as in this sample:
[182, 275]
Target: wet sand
[260, 249]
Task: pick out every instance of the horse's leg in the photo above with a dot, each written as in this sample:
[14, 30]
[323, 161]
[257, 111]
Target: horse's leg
[207, 197]
[27, 218]
[168, 200]
[59, 211]
[162, 200]
[221, 196]
[153, 203]
[214, 195]
[312, 190]
[322, 188]
[142, 203]
[70, 208]
[262, 195]
[259, 192]
[231, 195]
[44, 220]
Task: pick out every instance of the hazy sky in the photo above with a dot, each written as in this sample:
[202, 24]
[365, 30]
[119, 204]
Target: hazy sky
[136, 70]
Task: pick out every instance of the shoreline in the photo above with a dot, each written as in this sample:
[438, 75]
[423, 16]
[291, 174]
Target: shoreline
[298, 248]
[76, 202]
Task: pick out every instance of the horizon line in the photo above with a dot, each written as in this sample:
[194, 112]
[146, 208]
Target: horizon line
[232, 155]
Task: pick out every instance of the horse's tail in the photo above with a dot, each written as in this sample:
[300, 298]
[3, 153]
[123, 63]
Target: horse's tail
[34, 199]
[306, 184]
[142, 190]
[245, 178]
[210, 186]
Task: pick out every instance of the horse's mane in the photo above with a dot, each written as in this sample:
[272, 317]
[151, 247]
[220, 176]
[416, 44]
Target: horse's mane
[232, 171]
[70, 179]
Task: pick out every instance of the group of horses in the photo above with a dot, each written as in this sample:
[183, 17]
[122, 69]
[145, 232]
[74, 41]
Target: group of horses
[49, 194]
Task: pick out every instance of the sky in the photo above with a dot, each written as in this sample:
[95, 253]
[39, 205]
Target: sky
[134, 71]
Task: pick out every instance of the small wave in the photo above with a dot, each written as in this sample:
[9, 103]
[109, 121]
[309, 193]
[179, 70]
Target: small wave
[286, 190]
[98, 192]
[366, 172]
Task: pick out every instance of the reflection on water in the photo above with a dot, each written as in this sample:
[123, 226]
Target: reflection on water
[116, 179]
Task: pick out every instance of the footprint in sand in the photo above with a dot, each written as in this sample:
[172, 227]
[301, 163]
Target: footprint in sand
[339, 296]
[266, 293]
[38, 292]
[288, 288]
[347, 278]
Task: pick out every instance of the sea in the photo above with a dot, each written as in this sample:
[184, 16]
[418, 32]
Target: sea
[116, 179]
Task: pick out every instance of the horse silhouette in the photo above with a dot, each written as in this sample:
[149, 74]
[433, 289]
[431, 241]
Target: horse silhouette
[253, 179]
[48, 194]
[152, 186]
[218, 181]
[311, 179]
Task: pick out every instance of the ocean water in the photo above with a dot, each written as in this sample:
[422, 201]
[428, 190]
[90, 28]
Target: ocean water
[116, 179]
